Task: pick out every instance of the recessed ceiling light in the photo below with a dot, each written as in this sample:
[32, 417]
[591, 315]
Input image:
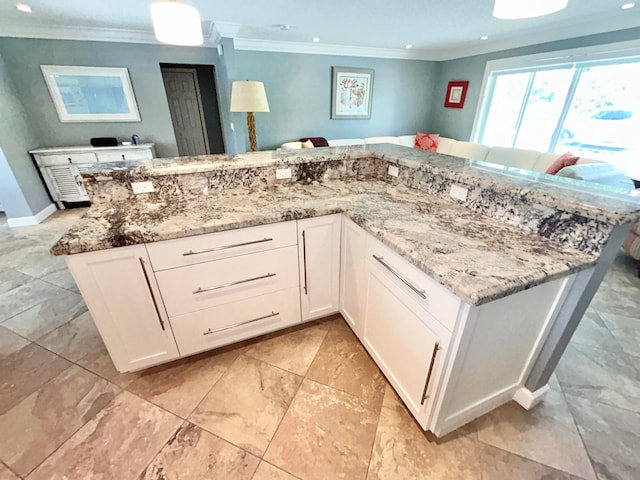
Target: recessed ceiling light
[484, 37]
[408, 45]
[316, 39]
[627, 6]
[23, 7]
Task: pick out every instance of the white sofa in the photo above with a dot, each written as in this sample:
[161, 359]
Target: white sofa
[599, 172]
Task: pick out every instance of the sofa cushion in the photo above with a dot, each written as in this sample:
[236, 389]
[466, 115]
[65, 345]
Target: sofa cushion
[374, 140]
[291, 146]
[512, 157]
[603, 173]
[427, 141]
[317, 141]
[406, 140]
[308, 144]
[470, 150]
[345, 142]
[445, 144]
[632, 245]
[564, 160]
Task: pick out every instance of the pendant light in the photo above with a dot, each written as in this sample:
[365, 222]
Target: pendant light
[176, 23]
[516, 9]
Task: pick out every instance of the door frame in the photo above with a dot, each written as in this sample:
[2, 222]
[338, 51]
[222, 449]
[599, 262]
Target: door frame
[194, 72]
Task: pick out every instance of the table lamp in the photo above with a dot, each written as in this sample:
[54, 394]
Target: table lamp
[248, 96]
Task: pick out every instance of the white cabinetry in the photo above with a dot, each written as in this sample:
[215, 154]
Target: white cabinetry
[120, 290]
[61, 167]
[353, 275]
[319, 259]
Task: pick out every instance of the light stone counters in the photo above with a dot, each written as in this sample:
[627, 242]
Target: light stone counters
[445, 240]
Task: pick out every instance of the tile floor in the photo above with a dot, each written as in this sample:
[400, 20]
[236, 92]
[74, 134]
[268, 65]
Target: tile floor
[307, 403]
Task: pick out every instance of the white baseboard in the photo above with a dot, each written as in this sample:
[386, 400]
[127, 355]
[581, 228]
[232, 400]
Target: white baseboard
[528, 399]
[34, 219]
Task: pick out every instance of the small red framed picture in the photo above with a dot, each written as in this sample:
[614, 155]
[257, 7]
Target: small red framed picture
[456, 93]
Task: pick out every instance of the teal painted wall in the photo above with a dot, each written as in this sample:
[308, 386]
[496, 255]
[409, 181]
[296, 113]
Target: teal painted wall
[298, 88]
[22, 193]
[458, 123]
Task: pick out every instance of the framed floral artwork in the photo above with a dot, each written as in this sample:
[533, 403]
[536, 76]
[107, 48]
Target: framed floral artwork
[351, 93]
[456, 93]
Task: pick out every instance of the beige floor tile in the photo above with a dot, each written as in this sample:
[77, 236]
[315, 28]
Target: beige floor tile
[546, 434]
[325, 434]
[193, 454]
[246, 405]
[6, 474]
[39, 424]
[47, 315]
[181, 385]
[116, 444]
[10, 342]
[266, 471]
[611, 436]
[99, 362]
[500, 465]
[10, 278]
[61, 278]
[402, 450]
[26, 370]
[293, 351]
[343, 363]
[26, 296]
[74, 339]
[626, 331]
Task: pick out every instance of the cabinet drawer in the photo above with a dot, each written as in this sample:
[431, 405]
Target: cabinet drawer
[214, 246]
[232, 322]
[433, 297]
[205, 285]
[121, 155]
[67, 158]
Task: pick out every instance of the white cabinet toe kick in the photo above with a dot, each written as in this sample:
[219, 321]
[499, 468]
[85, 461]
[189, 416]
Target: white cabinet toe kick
[449, 362]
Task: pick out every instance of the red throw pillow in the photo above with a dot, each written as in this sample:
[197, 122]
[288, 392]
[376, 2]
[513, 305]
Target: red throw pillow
[565, 160]
[427, 141]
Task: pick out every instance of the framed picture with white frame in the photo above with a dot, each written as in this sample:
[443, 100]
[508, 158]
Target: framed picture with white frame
[91, 94]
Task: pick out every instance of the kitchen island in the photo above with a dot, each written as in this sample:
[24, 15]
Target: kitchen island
[456, 300]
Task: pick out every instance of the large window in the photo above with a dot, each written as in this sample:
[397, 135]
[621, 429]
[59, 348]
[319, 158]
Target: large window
[589, 105]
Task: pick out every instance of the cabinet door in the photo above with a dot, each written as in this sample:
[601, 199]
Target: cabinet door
[353, 280]
[319, 260]
[408, 345]
[120, 290]
[65, 183]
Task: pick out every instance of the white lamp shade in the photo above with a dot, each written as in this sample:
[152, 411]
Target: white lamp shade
[248, 96]
[176, 23]
[515, 9]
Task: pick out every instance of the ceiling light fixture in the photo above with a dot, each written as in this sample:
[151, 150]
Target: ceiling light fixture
[23, 7]
[516, 9]
[484, 37]
[408, 45]
[176, 23]
[627, 6]
[316, 39]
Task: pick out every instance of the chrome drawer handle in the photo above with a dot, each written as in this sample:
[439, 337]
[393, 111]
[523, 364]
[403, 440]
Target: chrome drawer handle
[422, 293]
[225, 247]
[222, 329]
[304, 260]
[202, 290]
[433, 361]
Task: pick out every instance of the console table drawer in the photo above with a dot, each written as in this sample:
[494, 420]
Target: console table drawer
[74, 158]
[431, 296]
[122, 155]
[214, 246]
[205, 285]
[232, 322]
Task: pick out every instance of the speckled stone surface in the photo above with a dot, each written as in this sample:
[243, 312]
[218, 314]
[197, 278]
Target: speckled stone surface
[447, 241]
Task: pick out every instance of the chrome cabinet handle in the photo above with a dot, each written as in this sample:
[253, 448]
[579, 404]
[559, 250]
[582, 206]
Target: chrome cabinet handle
[422, 293]
[225, 247]
[433, 361]
[221, 329]
[231, 284]
[153, 297]
[304, 260]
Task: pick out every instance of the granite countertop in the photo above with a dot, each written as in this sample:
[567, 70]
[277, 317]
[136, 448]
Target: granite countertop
[447, 241]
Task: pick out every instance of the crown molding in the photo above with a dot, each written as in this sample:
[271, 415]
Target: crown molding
[228, 29]
[212, 38]
[326, 49]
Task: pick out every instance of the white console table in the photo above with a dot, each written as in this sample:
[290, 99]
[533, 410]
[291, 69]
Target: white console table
[61, 167]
